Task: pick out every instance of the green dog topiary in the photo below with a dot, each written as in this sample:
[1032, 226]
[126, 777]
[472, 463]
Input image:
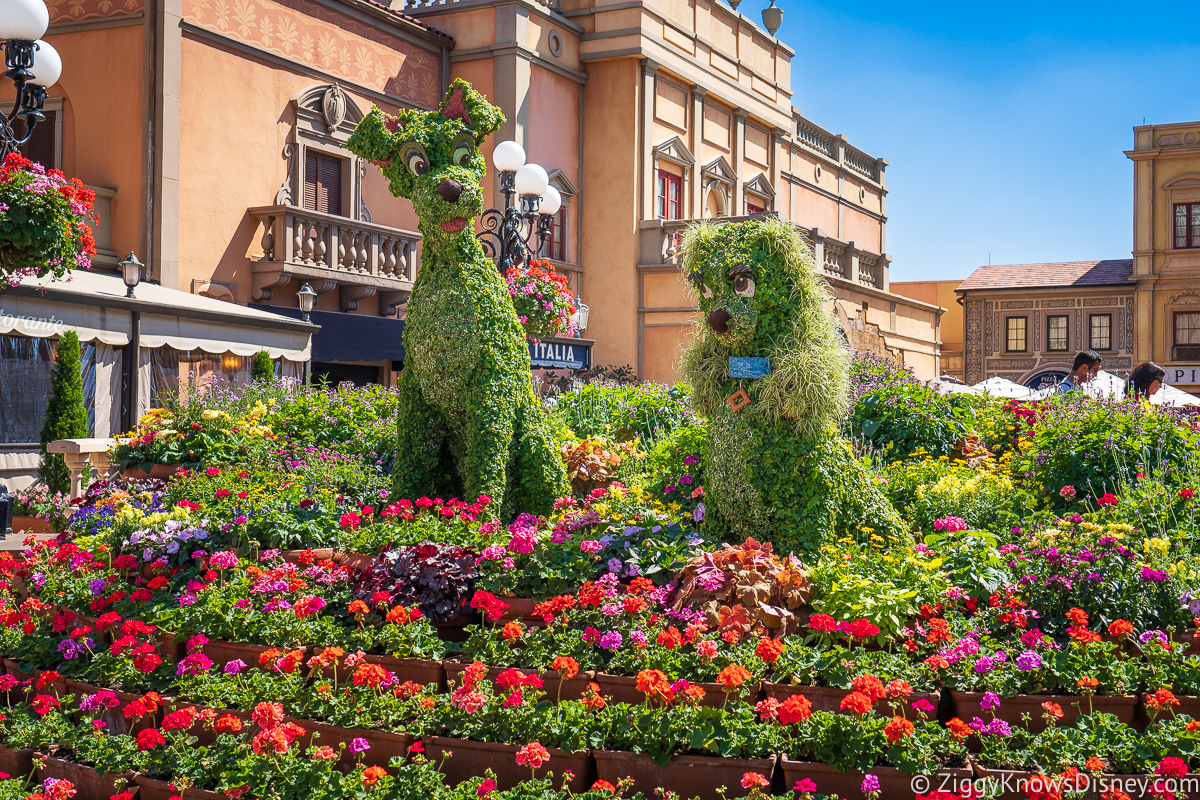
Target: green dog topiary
[469, 421]
[777, 469]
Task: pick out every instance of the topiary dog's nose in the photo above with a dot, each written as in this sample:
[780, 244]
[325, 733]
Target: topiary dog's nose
[449, 190]
[718, 320]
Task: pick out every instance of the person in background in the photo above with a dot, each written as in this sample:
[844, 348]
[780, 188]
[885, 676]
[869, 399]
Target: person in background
[1087, 365]
[1145, 380]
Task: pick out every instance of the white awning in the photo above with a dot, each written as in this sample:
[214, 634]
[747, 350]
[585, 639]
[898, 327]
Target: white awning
[94, 305]
[43, 317]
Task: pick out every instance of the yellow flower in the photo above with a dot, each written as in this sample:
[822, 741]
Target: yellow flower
[209, 413]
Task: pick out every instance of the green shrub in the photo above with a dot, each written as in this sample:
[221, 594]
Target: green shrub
[928, 489]
[681, 453]
[648, 411]
[905, 418]
[66, 416]
[262, 368]
[1095, 446]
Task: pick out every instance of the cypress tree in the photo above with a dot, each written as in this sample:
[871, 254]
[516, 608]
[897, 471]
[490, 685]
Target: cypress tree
[66, 416]
[262, 368]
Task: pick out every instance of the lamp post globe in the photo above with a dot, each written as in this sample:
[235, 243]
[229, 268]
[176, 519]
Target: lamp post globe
[23, 20]
[508, 156]
[531, 181]
[306, 297]
[131, 272]
[47, 65]
[550, 203]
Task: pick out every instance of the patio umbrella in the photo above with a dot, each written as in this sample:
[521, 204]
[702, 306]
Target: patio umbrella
[1003, 387]
[947, 384]
[1168, 395]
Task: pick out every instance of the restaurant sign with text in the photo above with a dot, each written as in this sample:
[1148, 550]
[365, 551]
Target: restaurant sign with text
[561, 353]
[1185, 375]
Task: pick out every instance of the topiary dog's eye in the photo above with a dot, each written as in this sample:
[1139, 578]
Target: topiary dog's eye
[698, 281]
[464, 149]
[744, 285]
[413, 156]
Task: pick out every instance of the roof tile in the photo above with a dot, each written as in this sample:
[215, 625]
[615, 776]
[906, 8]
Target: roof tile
[1112, 272]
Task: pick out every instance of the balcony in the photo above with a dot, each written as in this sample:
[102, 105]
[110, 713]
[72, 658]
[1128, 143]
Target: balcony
[837, 259]
[831, 146]
[358, 259]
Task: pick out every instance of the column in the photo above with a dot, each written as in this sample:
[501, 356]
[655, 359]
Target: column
[168, 55]
[695, 143]
[649, 172]
[512, 69]
[739, 153]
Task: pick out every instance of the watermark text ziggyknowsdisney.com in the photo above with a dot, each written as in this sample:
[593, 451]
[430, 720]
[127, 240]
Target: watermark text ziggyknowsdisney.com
[996, 784]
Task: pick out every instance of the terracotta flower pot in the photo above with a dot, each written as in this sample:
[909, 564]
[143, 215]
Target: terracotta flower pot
[552, 684]
[520, 609]
[383, 744]
[828, 698]
[454, 629]
[353, 560]
[154, 789]
[848, 785]
[114, 717]
[89, 785]
[417, 670]
[223, 652]
[688, 776]
[23, 524]
[294, 556]
[967, 706]
[471, 758]
[17, 763]
[205, 734]
[160, 471]
[623, 689]
[166, 645]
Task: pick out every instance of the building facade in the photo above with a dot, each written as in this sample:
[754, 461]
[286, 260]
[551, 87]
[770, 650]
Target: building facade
[1026, 322]
[941, 293]
[652, 114]
[1166, 249]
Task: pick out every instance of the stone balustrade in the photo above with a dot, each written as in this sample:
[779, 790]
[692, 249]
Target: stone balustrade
[81, 454]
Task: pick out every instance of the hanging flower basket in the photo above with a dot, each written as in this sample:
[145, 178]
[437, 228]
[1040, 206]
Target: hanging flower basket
[44, 221]
[541, 299]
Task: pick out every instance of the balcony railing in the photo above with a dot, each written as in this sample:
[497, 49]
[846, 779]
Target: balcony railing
[813, 137]
[360, 259]
[842, 260]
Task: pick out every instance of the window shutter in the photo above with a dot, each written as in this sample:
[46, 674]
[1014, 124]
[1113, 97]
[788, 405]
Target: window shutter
[331, 185]
[310, 181]
[40, 147]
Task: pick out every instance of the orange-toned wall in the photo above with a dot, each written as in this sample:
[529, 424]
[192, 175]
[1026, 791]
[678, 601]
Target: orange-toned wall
[554, 121]
[102, 128]
[610, 233]
[231, 159]
[861, 229]
[940, 293]
[814, 210]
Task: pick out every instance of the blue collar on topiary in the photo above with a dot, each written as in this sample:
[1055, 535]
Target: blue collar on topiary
[741, 367]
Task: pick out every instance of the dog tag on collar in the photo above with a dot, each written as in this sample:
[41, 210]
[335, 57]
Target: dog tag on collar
[740, 367]
[738, 400]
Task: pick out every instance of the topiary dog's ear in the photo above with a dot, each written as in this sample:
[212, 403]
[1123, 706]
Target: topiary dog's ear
[472, 109]
[378, 134]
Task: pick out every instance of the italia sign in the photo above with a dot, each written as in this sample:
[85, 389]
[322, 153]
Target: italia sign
[561, 354]
[1184, 375]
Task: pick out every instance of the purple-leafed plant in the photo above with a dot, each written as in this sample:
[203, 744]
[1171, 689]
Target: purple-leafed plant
[438, 578]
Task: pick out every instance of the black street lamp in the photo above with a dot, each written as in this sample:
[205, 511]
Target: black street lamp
[506, 232]
[131, 272]
[22, 24]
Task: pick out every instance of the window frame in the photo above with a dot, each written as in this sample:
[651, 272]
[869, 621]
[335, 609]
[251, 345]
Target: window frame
[1024, 334]
[321, 155]
[1191, 236]
[556, 241]
[1175, 327]
[663, 184]
[54, 105]
[1066, 330]
[1092, 332]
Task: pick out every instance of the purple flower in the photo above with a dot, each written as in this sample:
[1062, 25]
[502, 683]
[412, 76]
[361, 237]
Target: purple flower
[1153, 575]
[698, 513]
[990, 701]
[360, 745]
[610, 640]
[870, 783]
[1159, 636]
[984, 664]
[97, 585]
[1029, 661]
[615, 564]
[188, 599]
[235, 666]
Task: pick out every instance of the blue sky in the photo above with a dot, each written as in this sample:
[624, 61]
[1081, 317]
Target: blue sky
[1004, 124]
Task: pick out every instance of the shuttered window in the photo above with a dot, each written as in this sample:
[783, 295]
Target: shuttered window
[41, 145]
[323, 183]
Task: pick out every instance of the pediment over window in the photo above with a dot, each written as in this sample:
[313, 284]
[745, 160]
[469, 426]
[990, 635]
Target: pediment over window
[720, 170]
[1189, 181]
[560, 181]
[327, 109]
[674, 149]
[760, 185]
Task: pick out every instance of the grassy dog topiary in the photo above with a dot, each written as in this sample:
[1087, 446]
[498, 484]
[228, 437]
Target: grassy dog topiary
[469, 421]
[777, 469]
